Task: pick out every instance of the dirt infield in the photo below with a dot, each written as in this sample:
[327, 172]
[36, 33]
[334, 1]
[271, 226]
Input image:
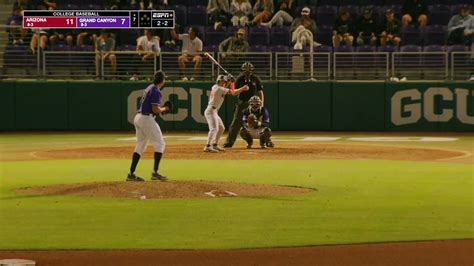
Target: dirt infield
[432, 253]
[305, 151]
[165, 190]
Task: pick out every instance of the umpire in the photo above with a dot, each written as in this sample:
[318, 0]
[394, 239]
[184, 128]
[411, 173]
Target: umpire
[247, 77]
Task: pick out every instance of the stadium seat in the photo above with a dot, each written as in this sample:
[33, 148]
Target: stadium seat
[197, 15]
[410, 48]
[258, 48]
[181, 2]
[436, 34]
[329, 2]
[127, 47]
[199, 2]
[128, 37]
[280, 35]
[214, 37]
[278, 49]
[388, 48]
[433, 48]
[354, 10]
[411, 36]
[363, 3]
[259, 35]
[181, 15]
[326, 15]
[211, 48]
[167, 48]
[344, 49]
[366, 49]
[457, 48]
[324, 35]
[323, 49]
[14, 56]
[439, 14]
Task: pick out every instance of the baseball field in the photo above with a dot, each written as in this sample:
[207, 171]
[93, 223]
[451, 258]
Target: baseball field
[331, 198]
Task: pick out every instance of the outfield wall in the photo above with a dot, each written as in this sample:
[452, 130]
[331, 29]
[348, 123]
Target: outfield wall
[361, 106]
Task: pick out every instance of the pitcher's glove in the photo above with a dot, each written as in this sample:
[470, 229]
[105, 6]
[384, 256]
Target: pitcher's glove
[252, 121]
[170, 107]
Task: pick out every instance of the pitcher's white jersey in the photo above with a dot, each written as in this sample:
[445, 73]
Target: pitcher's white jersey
[217, 96]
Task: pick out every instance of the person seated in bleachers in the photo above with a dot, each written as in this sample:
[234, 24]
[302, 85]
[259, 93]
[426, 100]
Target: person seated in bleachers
[104, 47]
[39, 38]
[299, 27]
[415, 11]
[390, 29]
[283, 16]
[148, 45]
[16, 32]
[218, 12]
[367, 28]
[342, 30]
[234, 44]
[240, 11]
[61, 36]
[458, 33]
[262, 11]
[191, 50]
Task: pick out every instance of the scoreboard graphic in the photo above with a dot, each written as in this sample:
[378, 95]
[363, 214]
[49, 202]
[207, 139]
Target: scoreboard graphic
[73, 19]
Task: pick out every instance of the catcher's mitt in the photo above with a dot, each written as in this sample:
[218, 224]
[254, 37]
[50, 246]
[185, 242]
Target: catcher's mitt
[170, 107]
[252, 121]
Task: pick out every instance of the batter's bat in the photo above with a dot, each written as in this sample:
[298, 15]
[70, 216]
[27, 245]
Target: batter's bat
[214, 61]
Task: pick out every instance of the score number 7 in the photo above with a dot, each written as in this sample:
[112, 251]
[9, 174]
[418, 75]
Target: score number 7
[123, 21]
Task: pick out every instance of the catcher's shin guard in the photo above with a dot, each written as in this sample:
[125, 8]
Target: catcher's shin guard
[266, 137]
[245, 134]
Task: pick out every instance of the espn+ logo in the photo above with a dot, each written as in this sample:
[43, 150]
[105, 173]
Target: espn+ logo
[409, 106]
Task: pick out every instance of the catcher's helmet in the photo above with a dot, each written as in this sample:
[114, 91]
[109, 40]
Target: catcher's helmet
[159, 77]
[247, 66]
[255, 103]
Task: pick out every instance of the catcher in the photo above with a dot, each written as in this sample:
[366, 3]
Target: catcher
[256, 121]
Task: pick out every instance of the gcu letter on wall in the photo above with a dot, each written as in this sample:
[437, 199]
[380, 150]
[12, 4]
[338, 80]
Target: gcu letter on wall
[434, 105]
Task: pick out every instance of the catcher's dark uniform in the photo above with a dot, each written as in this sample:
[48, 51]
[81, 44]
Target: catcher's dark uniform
[258, 128]
[255, 85]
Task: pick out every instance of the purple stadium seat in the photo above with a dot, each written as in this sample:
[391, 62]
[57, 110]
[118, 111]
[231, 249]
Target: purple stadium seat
[214, 37]
[211, 48]
[197, 15]
[433, 48]
[83, 48]
[127, 47]
[410, 48]
[278, 49]
[443, 2]
[372, 2]
[329, 2]
[323, 49]
[60, 47]
[411, 36]
[67, 6]
[128, 37]
[280, 36]
[181, 2]
[388, 48]
[258, 48]
[181, 15]
[95, 6]
[259, 35]
[233, 29]
[439, 14]
[14, 56]
[325, 15]
[457, 48]
[436, 34]
[199, 2]
[366, 48]
[354, 10]
[324, 35]
[344, 49]
[395, 2]
[167, 48]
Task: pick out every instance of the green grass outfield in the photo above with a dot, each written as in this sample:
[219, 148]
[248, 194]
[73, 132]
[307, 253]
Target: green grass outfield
[358, 201]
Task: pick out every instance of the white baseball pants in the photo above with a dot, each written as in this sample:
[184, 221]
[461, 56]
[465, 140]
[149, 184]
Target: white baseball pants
[148, 130]
[216, 126]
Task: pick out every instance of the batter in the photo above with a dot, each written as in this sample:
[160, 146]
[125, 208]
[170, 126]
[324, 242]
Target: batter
[216, 127]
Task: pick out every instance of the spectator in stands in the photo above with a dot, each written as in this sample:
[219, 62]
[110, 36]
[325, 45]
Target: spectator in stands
[299, 27]
[367, 28]
[457, 27]
[191, 49]
[23, 5]
[235, 44]
[240, 11]
[342, 30]
[46, 5]
[88, 37]
[40, 37]
[218, 11]
[148, 45]
[283, 16]
[390, 29]
[117, 4]
[14, 22]
[415, 10]
[104, 47]
[60, 36]
[262, 11]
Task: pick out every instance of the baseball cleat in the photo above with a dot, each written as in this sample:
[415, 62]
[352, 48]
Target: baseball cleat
[270, 144]
[228, 145]
[134, 178]
[209, 148]
[215, 147]
[156, 176]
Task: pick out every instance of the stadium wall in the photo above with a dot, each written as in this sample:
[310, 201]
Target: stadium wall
[361, 106]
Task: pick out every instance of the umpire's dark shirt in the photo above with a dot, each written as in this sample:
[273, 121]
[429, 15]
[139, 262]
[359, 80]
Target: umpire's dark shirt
[254, 83]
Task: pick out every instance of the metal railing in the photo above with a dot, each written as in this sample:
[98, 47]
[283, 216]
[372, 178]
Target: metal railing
[262, 61]
[420, 65]
[361, 65]
[297, 66]
[462, 65]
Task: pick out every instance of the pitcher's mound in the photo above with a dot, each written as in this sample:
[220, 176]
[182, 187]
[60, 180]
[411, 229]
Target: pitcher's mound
[166, 190]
